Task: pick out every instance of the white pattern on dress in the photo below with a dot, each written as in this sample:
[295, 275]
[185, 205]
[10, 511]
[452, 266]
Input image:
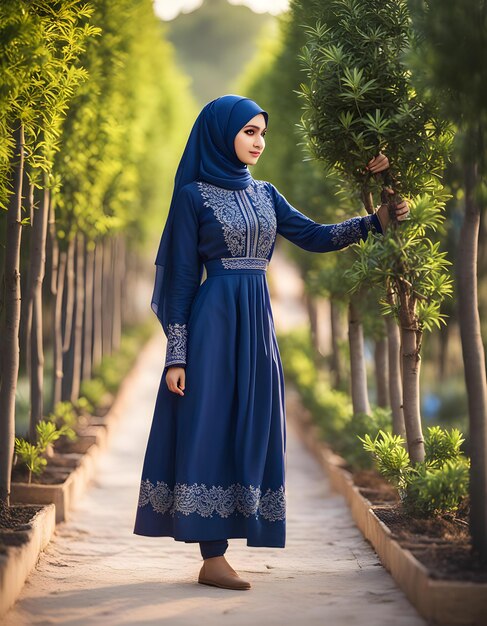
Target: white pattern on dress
[349, 231]
[177, 337]
[198, 498]
[248, 263]
[248, 217]
[264, 207]
[226, 210]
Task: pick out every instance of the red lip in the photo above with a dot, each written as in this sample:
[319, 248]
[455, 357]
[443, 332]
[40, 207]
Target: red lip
[254, 153]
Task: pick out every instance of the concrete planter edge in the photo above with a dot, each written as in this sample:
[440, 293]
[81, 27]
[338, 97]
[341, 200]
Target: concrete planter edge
[19, 561]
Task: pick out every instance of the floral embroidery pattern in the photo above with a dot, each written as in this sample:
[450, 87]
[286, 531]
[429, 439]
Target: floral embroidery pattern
[349, 231]
[226, 210]
[205, 501]
[249, 227]
[250, 263]
[264, 207]
[346, 232]
[177, 338]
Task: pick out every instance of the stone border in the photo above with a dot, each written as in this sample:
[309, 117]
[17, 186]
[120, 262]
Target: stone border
[62, 495]
[449, 603]
[19, 561]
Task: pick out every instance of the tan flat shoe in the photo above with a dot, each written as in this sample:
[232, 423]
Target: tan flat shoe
[225, 581]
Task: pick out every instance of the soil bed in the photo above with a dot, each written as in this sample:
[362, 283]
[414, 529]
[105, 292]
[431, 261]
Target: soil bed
[442, 544]
[15, 518]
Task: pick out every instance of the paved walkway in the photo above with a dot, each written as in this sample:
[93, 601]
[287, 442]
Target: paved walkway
[96, 571]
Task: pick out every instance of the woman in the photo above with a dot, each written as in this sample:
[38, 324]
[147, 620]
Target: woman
[215, 460]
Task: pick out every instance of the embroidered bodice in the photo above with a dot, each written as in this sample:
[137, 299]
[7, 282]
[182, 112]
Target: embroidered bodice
[239, 227]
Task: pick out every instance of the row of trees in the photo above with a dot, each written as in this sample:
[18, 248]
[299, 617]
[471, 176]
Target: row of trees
[89, 138]
[367, 65]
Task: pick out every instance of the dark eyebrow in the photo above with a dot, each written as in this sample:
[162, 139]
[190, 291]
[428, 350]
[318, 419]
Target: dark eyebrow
[253, 126]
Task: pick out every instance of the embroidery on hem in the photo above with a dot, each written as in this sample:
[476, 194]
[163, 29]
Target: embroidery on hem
[252, 263]
[177, 336]
[198, 498]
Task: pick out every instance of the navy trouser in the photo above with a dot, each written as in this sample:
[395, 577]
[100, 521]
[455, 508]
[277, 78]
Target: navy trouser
[210, 549]
[213, 548]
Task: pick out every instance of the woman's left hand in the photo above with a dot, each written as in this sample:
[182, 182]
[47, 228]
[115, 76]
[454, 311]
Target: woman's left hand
[401, 211]
[377, 164]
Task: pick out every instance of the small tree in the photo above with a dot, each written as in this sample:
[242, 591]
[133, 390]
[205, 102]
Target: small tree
[359, 100]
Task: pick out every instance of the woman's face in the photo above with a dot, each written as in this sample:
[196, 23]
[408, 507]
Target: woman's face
[249, 141]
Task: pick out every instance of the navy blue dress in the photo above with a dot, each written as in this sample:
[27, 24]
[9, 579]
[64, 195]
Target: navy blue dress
[214, 466]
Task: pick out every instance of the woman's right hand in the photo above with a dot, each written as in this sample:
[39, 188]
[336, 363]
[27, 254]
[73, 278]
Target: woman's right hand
[175, 379]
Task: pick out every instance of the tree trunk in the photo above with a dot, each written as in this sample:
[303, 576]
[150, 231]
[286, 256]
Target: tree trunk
[78, 319]
[57, 288]
[34, 311]
[360, 396]
[381, 371]
[67, 313]
[27, 301]
[336, 335]
[88, 319]
[444, 341]
[118, 271]
[97, 305]
[474, 361]
[10, 332]
[107, 297]
[69, 310]
[411, 365]
[395, 376]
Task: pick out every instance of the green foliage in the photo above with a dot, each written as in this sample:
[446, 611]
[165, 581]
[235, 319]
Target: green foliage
[434, 486]
[47, 433]
[40, 46]
[359, 98]
[108, 375]
[438, 490]
[361, 423]
[391, 458]
[458, 81]
[64, 417]
[32, 456]
[442, 445]
[94, 390]
[119, 135]
[83, 405]
[407, 260]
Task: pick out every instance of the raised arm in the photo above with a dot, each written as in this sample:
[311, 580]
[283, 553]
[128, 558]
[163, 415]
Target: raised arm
[315, 237]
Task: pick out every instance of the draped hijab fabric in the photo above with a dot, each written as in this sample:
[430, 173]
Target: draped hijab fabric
[209, 156]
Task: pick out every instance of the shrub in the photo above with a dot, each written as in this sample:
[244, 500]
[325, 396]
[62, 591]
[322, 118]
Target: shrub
[33, 455]
[65, 418]
[93, 390]
[431, 487]
[360, 424]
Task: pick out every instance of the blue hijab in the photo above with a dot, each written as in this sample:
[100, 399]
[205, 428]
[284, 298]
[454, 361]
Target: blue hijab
[210, 156]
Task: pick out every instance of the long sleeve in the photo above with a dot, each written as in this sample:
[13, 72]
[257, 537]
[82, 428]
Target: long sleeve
[185, 278]
[314, 237]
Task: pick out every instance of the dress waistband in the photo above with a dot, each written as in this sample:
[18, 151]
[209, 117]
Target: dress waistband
[236, 265]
